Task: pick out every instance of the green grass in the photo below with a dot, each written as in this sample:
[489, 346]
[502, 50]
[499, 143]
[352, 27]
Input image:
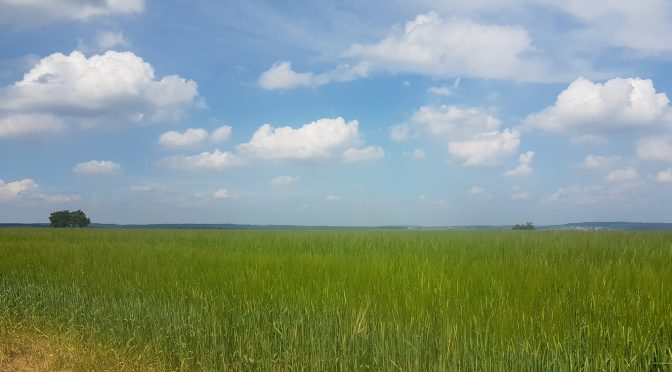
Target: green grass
[335, 300]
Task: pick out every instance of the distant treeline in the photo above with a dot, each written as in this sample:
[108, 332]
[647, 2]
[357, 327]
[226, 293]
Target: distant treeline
[629, 226]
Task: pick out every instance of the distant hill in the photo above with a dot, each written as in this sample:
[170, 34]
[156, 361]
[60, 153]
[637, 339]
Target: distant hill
[622, 226]
[610, 226]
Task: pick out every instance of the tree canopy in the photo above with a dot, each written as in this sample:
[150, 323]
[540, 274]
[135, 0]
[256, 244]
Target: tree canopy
[527, 226]
[67, 218]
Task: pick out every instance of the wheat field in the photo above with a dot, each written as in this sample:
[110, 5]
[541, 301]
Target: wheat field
[343, 300]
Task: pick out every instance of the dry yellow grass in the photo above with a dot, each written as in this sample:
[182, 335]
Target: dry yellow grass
[24, 349]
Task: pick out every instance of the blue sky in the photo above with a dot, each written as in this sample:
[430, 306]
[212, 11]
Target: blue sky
[336, 113]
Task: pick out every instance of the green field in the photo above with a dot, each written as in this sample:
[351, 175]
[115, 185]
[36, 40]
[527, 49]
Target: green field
[344, 300]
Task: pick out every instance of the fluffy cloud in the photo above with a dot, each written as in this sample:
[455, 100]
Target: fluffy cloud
[282, 76]
[221, 134]
[25, 124]
[591, 25]
[108, 89]
[27, 188]
[471, 134]
[108, 40]
[485, 149]
[14, 190]
[320, 139]
[433, 46]
[595, 162]
[103, 167]
[664, 175]
[283, 181]
[193, 136]
[655, 148]
[44, 11]
[623, 175]
[445, 91]
[452, 122]
[363, 155]
[189, 138]
[592, 109]
[204, 160]
[523, 167]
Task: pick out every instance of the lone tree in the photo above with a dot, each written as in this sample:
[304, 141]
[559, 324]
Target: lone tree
[69, 219]
[527, 226]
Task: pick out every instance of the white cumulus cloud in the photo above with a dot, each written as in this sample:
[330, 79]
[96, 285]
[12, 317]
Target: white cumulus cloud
[14, 190]
[194, 136]
[453, 122]
[103, 167]
[523, 168]
[655, 148]
[455, 47]
[205, 160]
[471, 134]
[370, 153]
[319, 140]
[221, 134]
[623, 175]
[109, 89]
[282, 76]
[25, 124]
[322, 138]
[190, 137]
[109, 39]
[27, 189]
[596, 162]
[485, 149]
[588, 110]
